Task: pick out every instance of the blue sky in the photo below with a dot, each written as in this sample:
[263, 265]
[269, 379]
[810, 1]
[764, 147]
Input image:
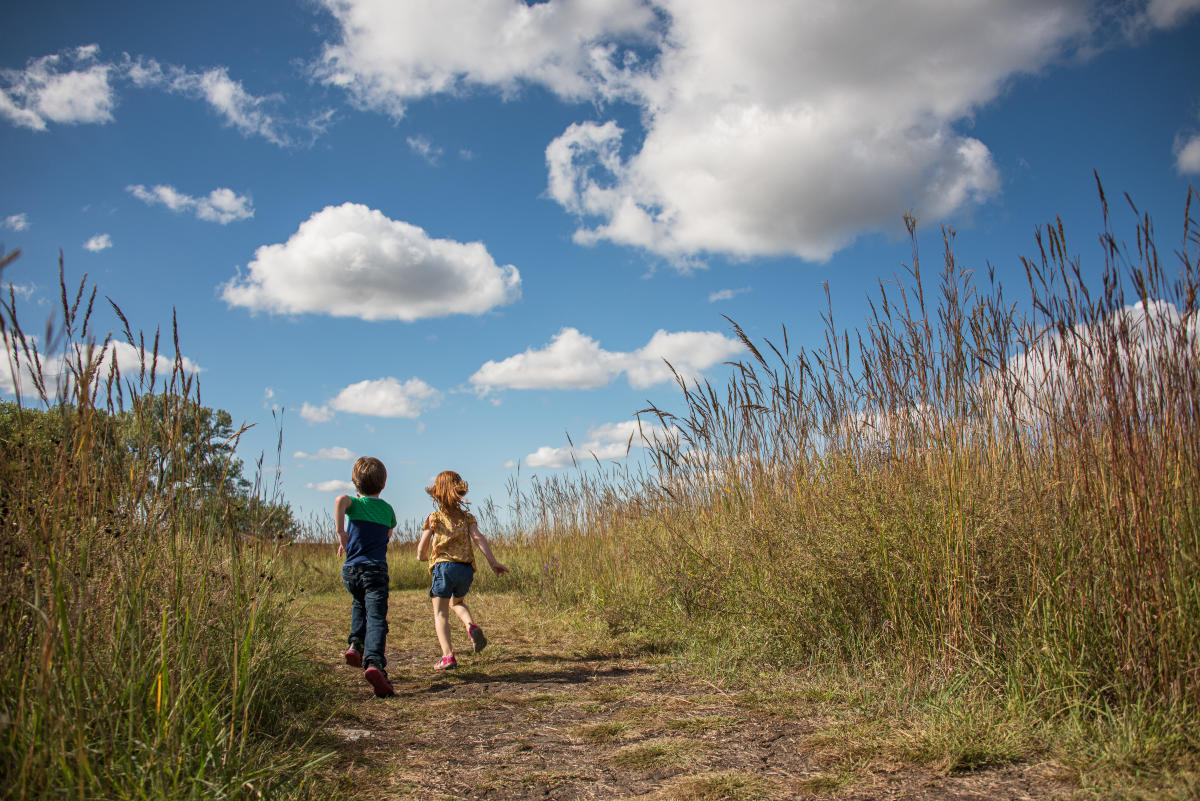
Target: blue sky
[447, 233]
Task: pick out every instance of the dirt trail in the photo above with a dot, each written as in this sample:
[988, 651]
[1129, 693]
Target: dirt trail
[547, 712]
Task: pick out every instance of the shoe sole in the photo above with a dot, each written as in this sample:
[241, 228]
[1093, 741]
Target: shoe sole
[353, 658]
[478, 640]
[380, 683]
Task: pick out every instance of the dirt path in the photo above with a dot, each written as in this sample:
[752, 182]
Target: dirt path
[552, 711]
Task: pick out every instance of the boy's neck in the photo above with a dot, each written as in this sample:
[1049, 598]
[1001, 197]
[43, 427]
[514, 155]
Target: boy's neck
[376, 495]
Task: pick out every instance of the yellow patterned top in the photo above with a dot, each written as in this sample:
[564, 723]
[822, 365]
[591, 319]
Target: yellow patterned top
[450, 542]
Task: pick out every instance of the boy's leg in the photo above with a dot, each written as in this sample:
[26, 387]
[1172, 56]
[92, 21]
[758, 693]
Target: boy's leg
[375, 601]
[441, 624]
[351, 580]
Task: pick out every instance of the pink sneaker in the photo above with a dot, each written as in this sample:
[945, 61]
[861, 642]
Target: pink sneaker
[353, 657]
[478, 641]
[446, 663]
[378, 679]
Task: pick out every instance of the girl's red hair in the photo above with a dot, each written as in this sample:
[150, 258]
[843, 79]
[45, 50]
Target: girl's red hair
[447, 491]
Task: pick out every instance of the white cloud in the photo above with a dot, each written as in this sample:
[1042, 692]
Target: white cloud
[391, 52]
[316, 414]
[424, 148]
[573, 360]
[337, 452]
[58, 373]
[250, 114]
[221, 206]
[1187, 156]
[727, 294]
[98, 243]
[791, 129]
[331, 486]
[1169, 13]
[352, 261]
[22, 291]
[17, 222]
[70, 87]
[387, 397]
[606, 441]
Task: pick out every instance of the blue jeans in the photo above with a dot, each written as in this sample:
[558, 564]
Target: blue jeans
[367, 583]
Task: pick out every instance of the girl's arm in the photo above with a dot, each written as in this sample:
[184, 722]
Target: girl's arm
[425, 541]
[482, 542]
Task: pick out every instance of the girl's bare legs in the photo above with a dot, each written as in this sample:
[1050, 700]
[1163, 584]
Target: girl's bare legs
[441, 624]
[464, 614]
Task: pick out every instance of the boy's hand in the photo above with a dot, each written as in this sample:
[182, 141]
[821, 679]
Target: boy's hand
[341, 550]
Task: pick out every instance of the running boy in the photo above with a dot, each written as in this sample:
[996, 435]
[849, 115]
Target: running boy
[445, 543]
[364, 541]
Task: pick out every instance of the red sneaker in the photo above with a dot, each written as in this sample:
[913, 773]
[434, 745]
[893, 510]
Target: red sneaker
[378, 679]
[353, 657]
[446, 663]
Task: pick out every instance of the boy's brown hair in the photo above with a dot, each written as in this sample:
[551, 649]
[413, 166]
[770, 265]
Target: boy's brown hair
[369, 475]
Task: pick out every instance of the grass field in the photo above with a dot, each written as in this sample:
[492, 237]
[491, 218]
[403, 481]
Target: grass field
[963, 540]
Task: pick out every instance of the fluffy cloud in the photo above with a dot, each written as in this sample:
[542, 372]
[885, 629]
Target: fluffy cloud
[221, 206]
[607, 441]
[790, 130]
[316, 414]
[331, 486]
[391, 52]
[59, 373]
[352, 261]
[98, 243]
[337, 452]
[383, 397]
[70, 87]
[574, 360]
[17, 222]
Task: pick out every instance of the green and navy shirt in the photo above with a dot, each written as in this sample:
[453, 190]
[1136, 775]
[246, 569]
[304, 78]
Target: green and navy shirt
[368, 521]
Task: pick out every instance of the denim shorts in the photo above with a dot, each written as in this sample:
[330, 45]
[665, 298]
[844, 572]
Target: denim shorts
[451, 579]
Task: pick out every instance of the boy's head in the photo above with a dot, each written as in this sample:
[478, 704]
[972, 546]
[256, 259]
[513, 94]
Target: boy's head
[369, 475]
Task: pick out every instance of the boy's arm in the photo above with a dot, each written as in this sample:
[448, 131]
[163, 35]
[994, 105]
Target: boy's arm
[425, 541]
[339, 516]
[484, 546]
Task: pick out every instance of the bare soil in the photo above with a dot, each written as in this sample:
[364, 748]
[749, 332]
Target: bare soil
[553, 710]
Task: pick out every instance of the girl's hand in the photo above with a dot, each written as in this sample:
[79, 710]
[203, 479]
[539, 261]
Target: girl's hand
[500, 569]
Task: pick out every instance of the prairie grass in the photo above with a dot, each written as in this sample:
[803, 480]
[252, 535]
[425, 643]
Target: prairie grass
[966, 497]
[145, 644]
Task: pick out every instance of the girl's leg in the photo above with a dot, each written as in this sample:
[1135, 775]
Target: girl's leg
[441, 623]
[464, 614]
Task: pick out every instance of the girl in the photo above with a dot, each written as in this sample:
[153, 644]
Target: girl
[446, 544]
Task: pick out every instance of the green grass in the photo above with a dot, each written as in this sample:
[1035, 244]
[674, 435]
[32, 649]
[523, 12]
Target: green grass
[989, 511]
[146, 649]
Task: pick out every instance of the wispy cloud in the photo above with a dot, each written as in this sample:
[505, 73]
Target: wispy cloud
[727, 294]
[383, 397]
[335, 485]
[423, 147]
[221, 206]
[98, 243]
[17, 222]
[337, 452]
[607, 441]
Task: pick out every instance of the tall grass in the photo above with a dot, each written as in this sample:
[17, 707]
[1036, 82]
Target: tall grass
[144, 648]
[964, 485]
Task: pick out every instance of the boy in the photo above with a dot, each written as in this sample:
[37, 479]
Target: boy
[364, 541]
